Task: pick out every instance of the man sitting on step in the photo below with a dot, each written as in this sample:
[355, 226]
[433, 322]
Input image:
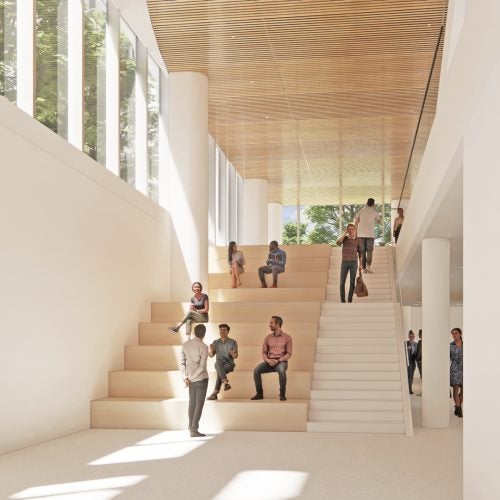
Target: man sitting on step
[276, 351]
[225, 351]
[275, 264]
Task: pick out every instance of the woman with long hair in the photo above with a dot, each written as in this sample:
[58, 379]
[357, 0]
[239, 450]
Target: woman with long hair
[198, 311]
[456, 370]
[236, 261]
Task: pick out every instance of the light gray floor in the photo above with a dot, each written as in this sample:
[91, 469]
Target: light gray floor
[132, 464]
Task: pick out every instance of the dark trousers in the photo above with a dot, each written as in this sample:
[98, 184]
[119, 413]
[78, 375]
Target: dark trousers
[197, 394]
[419, 364]
[222, 368]
[366, 249]
[411, 371]
[275, 270]
[345, 268]
[265, 368]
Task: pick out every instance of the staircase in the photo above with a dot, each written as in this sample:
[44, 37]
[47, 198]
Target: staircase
[359, 380]
[148, 393]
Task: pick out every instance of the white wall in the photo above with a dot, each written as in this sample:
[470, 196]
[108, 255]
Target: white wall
[467, 127]
[413, 318]
[82, 255]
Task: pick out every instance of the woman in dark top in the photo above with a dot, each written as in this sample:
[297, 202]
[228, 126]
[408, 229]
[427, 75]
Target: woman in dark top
[456, 370]
[198, 312]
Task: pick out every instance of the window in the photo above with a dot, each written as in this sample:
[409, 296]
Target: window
[8, 52]
[127, 103]
[51, 86]
[94, 79]
[153, 129]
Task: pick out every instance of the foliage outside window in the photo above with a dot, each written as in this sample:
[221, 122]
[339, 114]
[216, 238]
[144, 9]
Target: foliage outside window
[325, 224]
[153, 129]
[51, 53]
[127, 103]
[8, 52]
[94, 84]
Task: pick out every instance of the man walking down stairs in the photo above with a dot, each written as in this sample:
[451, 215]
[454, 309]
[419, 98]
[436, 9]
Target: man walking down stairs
[357, 381]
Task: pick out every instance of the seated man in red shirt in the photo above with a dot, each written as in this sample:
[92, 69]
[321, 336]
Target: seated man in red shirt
[276, 351]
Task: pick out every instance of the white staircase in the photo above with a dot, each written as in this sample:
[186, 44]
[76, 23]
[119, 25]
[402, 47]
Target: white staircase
[359, 382]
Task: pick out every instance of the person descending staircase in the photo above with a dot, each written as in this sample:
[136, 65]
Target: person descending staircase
[359, 381]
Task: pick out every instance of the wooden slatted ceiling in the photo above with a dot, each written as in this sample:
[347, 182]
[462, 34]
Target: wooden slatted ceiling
[319, 97]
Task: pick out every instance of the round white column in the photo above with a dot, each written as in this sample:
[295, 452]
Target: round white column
[255, 212]
[435, 333]
[274, 222]
[188, 180]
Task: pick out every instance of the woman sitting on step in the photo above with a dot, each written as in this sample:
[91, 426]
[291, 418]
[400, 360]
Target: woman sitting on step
[198, 312]
[236, 261]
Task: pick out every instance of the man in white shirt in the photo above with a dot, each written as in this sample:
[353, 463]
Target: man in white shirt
[195, 375]
[365, 229]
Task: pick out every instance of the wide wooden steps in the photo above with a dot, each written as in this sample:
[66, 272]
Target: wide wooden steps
[149, 393]
[246, 333]
[234, 415]
[228, 312]
[288, 279]
[168, 384]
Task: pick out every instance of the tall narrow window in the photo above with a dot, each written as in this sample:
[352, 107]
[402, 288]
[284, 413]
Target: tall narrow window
[8, 52]
[153, 129]
[94, 84]
[52, 65]
[127, 103]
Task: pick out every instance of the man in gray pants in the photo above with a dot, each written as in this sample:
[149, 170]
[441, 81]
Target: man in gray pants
[195, 375]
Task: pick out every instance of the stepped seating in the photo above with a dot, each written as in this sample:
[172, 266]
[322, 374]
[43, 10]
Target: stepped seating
[149, 392]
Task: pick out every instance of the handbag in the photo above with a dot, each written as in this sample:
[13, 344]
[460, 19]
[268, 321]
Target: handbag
[360, 289]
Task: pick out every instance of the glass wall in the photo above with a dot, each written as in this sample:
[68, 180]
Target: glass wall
[51, 53]
[82, 85]
[153, 129]
[127, 103]
[8, 52]
[94, 79]
[325, 223]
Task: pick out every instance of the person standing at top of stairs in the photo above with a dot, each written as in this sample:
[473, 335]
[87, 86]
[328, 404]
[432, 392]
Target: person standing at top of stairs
[365, 229]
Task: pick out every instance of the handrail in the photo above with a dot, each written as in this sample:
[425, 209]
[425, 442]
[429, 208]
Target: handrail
[424, 100]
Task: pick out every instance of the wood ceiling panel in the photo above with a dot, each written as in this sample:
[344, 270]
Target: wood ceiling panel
[319, 97]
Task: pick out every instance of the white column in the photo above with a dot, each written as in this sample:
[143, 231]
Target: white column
[25, 56]
[75, 73]
[435, 332]
[141, 119]
[113, 89]
[255, 212]
[188, 174]
[274, 222]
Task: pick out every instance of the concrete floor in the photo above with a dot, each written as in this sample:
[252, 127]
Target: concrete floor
[140, 464]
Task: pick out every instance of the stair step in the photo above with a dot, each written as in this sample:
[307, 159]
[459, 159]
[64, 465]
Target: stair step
[382, 385]
[356, 358]
[359, 375]
[234, 415]
[370, 334]
[354, 341]
[368, 367]
[355, 416]
[358, 427]
[365, 308]
[364, 348]
[355, 394]
[355, 404]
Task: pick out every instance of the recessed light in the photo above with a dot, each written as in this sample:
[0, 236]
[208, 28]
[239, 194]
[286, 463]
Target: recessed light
[232, 37]
[266, 117]
[252, 82]
[429, 25]
[452, 275]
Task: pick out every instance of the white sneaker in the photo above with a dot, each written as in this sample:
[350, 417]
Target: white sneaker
[368, 269]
